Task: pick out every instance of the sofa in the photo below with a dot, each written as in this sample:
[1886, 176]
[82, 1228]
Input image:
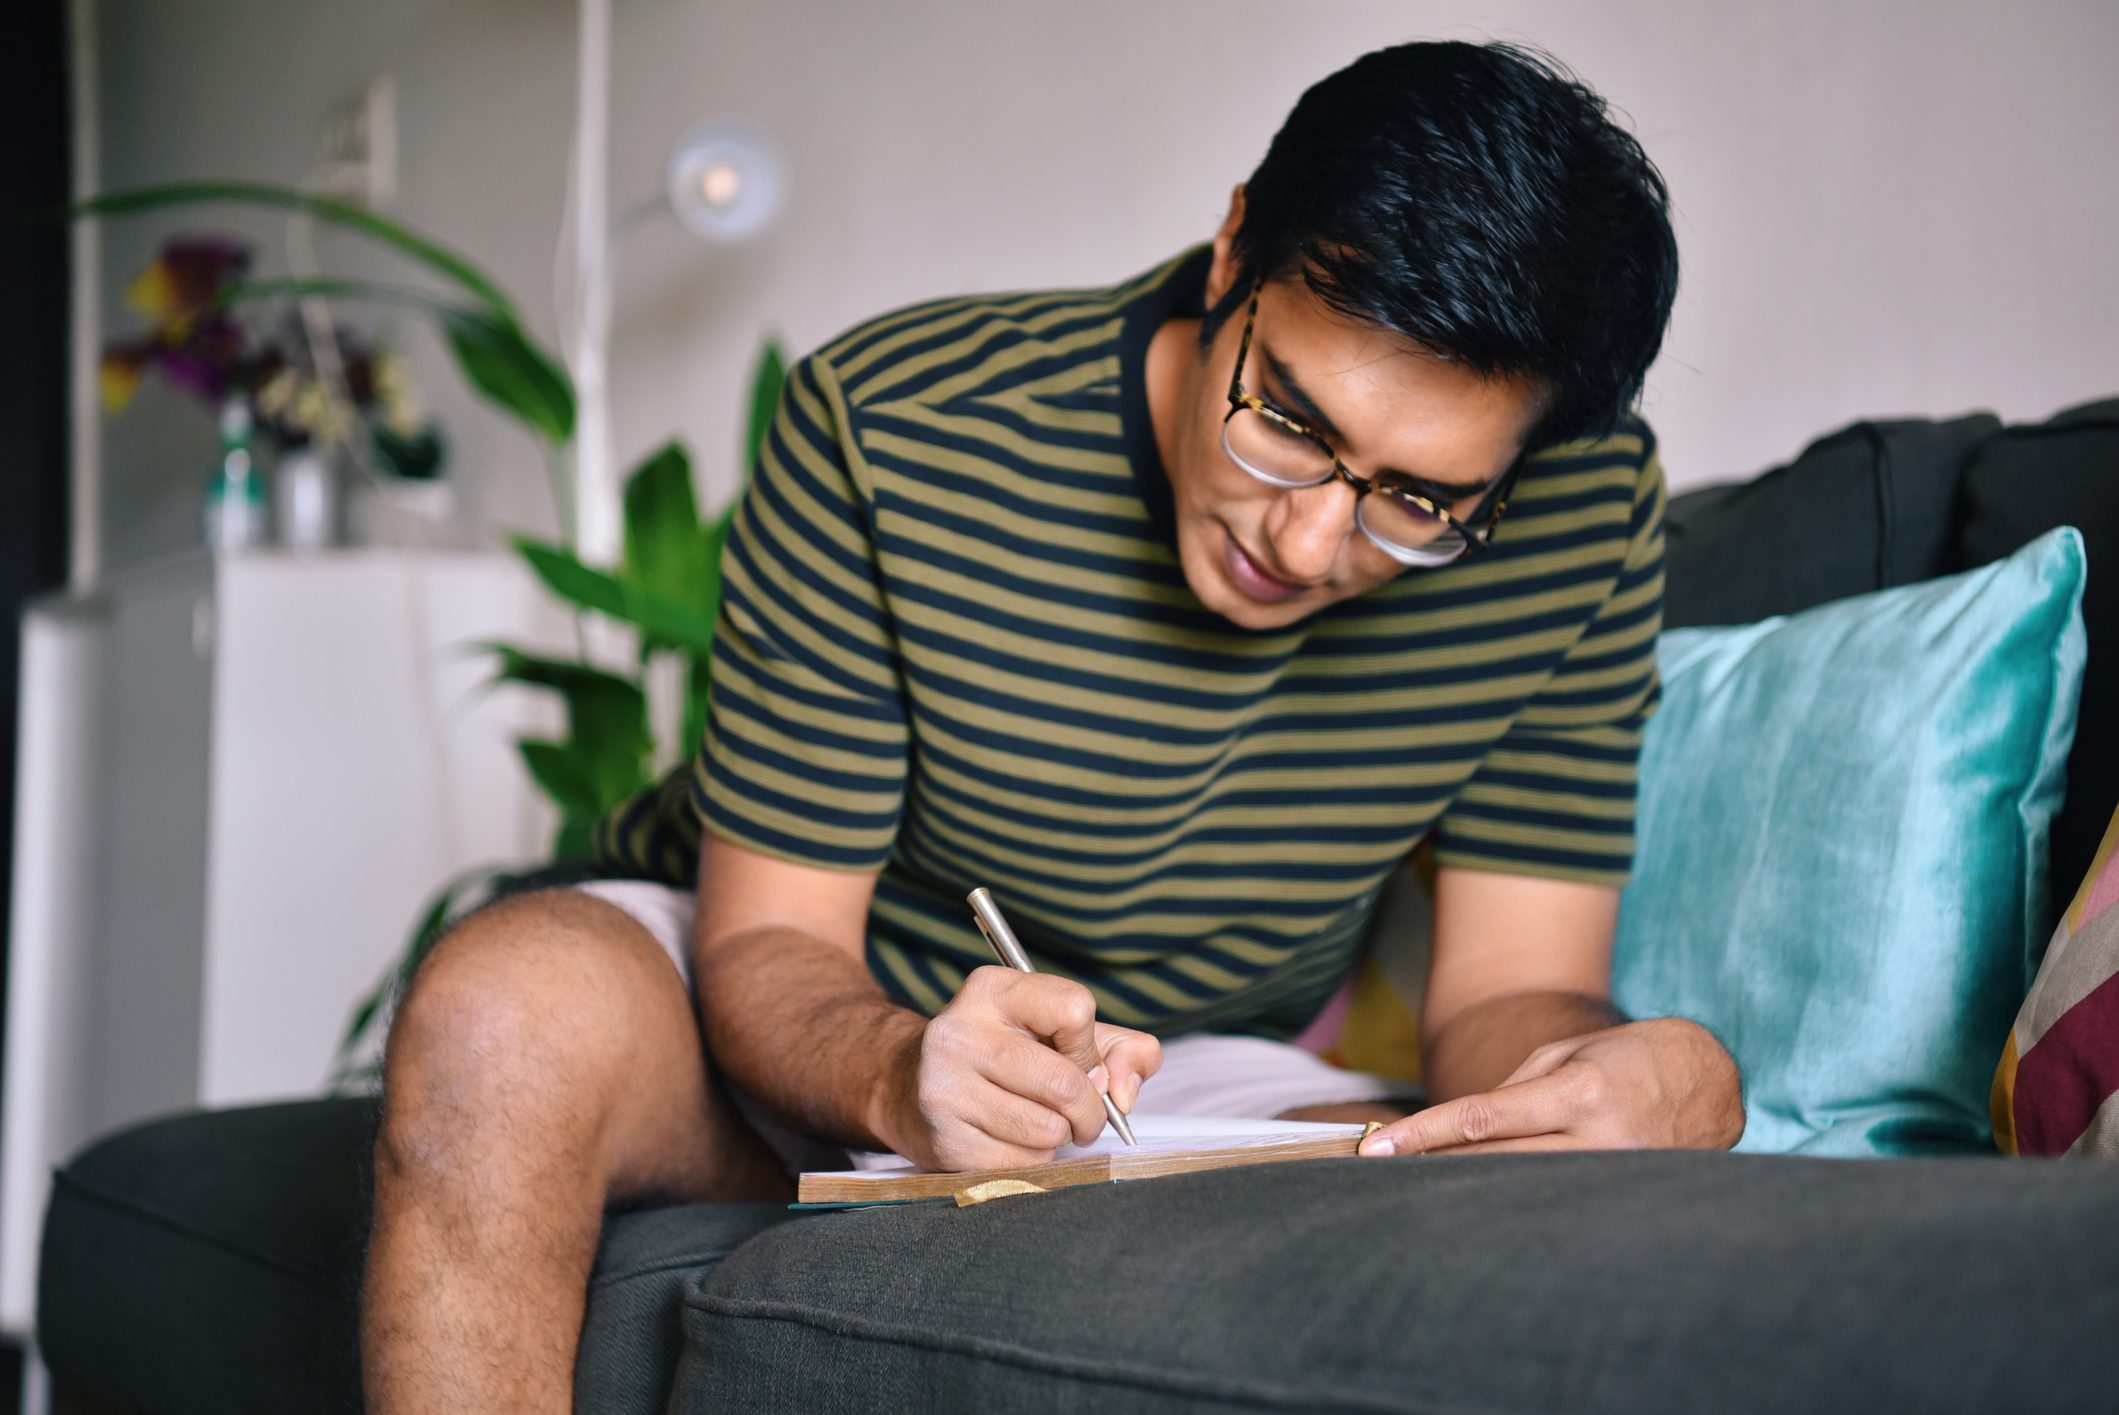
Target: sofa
[209, 1262]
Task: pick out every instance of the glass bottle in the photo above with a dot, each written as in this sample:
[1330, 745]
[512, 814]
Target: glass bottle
[235, 492]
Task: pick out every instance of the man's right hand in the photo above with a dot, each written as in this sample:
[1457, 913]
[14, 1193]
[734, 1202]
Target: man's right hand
[1000, 1078]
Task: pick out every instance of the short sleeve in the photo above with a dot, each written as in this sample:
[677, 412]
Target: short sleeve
[1555, 796]
[805, 749]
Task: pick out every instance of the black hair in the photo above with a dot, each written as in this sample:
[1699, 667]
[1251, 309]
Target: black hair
[1479, 200]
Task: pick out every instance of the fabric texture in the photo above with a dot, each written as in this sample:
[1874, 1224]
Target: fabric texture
[205, 1265]
[1585, 1283]
[1844, 824]
[2056, 1091]
[1863, 508]
[956, 646]
[2019, 485]
[209, 1264]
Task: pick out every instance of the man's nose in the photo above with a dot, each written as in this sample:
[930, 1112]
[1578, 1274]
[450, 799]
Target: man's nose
[1312, 528]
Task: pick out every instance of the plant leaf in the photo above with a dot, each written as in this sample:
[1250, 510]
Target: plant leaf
[499, 361]
[664, 551]
[670, 622]
[427, 251]
[333, 288]
[424, 936]
[765, 389]
[588, 775]
[698, 680]
[565, 774]
[606, 714]
[685, 625]
[565, 575]
[575, 839]
[363, 1077]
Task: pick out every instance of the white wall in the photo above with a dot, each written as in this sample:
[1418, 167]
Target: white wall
[1898, 207]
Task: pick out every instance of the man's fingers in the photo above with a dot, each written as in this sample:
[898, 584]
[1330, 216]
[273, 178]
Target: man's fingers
[1545, 1060]
[1018, 1123]
[1042, 1077]
[1059, 1010]
[1542, 1106]
[1521, 1145]
[1130, 1057]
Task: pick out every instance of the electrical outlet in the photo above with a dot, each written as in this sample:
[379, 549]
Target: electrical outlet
[356, 147]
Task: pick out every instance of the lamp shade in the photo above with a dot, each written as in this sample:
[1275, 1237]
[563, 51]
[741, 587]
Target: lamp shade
[725, 181]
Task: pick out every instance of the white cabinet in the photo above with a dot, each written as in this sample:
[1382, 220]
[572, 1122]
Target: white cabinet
[241, 778]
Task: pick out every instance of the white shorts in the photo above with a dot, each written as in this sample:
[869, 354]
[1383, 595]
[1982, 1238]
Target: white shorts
[1203, 1074]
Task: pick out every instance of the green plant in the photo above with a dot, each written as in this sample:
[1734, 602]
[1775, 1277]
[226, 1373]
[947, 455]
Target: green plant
[665, 591]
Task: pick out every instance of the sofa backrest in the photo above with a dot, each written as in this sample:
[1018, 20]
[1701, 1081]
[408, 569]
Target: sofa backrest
[2019, 484]
[1884, 503]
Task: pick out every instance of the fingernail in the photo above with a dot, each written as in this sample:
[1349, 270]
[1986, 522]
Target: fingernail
[1098, 1076]
[1132, 1088]
[1378, 1145]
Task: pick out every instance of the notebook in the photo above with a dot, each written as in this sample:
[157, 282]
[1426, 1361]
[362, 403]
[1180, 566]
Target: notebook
[1168, 1145]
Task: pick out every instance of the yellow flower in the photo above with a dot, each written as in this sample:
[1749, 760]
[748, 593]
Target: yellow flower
[398, 396]
[118, 376]
[153, 292]
[185, 282]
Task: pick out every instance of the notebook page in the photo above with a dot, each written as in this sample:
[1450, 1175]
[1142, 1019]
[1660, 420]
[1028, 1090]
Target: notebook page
[1162, 1133]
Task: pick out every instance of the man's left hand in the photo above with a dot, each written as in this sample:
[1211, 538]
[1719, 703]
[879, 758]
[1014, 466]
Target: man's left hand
[1659, 1084]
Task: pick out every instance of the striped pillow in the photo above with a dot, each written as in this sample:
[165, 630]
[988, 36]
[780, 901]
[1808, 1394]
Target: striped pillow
[2057, 1089]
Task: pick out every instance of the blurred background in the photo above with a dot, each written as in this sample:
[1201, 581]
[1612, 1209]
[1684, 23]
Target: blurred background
[1885, 207]
[240, 779]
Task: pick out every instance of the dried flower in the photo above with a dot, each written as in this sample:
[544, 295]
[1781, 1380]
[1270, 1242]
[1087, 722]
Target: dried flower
[198, 346]
[185, 282]
[118, 376]
[397, 396]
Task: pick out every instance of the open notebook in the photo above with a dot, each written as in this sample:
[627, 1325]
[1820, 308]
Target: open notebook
[1168, 1145]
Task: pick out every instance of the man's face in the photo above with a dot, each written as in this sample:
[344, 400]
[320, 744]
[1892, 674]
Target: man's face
[1265, 556]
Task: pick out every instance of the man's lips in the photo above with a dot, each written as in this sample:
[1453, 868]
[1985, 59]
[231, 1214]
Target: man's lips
[1254, 579]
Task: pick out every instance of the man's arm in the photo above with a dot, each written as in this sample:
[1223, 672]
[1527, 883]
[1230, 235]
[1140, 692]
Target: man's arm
[789, 1009]
[792, 1015]
[1522, 1048]
[1517, 962]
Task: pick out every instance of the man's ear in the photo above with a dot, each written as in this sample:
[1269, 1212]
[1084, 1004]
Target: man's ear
[1221, 275]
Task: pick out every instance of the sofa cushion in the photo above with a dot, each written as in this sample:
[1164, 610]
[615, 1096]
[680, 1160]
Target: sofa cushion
[2017, 486]
[1864, 508]
[1841, 866]
[210, 1263]
[2056, 1091]
[1579, 1282]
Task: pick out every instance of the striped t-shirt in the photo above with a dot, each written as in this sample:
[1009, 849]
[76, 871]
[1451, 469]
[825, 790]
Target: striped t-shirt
[956, 647]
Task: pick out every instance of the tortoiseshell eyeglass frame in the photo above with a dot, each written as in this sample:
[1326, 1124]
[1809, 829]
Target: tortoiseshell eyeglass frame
[1240, 399]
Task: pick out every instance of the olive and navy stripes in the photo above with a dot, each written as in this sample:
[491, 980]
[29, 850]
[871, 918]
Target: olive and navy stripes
[957, 648]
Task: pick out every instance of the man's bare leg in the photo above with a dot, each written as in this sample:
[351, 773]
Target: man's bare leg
[546, 1061]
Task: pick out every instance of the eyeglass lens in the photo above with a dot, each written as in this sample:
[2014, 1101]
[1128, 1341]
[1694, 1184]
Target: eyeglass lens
[1279, 456]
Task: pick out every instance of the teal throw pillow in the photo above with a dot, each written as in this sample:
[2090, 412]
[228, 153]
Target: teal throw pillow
[1841, 847]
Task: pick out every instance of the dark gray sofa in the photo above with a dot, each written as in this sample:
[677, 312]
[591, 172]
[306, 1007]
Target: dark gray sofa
[209, 1262]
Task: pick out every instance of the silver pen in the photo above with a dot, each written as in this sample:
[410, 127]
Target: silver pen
[1010, 952]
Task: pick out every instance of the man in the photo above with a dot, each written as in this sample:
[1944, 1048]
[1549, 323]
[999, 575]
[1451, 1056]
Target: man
[1175, 612]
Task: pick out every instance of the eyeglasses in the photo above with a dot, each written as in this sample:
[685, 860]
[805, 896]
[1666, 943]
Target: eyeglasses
[1399, 521]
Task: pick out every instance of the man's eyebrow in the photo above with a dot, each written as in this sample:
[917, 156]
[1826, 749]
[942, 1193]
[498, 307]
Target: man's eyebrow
[1307, 410]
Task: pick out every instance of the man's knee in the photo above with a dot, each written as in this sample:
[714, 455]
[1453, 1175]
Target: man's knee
[519, 1026]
